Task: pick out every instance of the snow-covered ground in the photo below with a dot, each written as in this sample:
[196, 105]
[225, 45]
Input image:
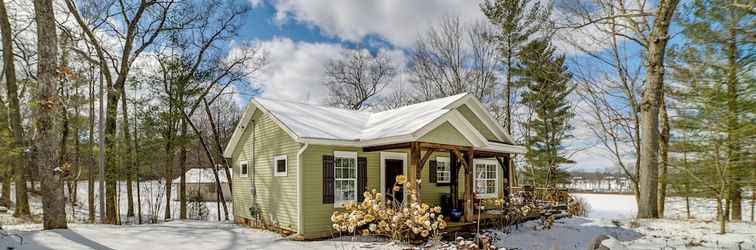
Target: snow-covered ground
[618, 206]
[152, 199]
[610, 214]
[169, 235]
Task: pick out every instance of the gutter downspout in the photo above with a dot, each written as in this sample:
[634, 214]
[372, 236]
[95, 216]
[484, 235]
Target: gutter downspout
[253, 190]
[299, 189]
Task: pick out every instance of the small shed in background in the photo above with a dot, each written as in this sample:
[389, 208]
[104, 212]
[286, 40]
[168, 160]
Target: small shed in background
[200, 184]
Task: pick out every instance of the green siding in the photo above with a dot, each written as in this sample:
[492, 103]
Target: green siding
[445, 134]
[276, 195]
[317, 216]
[476, 122]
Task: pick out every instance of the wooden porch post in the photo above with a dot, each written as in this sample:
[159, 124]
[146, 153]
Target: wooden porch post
[504, 162]
[453, 179]
[414, 161]
[469, 187]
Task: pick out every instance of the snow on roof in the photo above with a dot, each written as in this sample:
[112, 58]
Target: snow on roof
[202, 175]
[313, 121]
[308, 123]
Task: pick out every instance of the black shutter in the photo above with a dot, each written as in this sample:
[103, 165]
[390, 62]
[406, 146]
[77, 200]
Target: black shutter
[328, 178]
[361, 178]
[432, 165]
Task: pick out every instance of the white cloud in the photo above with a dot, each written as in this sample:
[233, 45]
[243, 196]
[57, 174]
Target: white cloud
[398, 21]
[295, 69]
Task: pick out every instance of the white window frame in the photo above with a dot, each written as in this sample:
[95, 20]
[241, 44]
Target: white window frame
[275, 165]
[344, 154]
[475, 177]
[242, 163]
[448, 169]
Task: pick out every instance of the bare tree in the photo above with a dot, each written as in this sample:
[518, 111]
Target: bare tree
[356, 77]
[453, 58]
[136, 24]
[192, 67]
[52, 170]
[633, 21]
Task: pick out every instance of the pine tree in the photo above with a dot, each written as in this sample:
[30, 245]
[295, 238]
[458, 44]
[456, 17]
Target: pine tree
[516, 21]
[719, 46]
[715, 102]
[547, 87]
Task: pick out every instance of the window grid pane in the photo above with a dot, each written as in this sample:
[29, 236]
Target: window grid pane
[442, 172]
[345, 179]
[485, 178]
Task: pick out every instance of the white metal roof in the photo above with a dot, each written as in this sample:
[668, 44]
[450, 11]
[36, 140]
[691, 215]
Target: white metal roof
[202, 175]
[308, 123]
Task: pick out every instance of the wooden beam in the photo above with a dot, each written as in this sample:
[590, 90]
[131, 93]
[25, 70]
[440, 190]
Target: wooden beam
[444, 147]
[425, 158]
[504, 163]
[462, 158]
[386, 147]
[469, 187]
[453, 179]
[412, 175]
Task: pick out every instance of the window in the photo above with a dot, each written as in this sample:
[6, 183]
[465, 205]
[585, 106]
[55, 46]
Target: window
[443, 170]
[345, 177]
[280, 165]
[243, 169]
[486, 172]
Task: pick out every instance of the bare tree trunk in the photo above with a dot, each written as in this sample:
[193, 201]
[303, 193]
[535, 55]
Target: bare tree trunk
[129, 166]
[732, 126]
[19, 169]
[182, 163]
[219, 147]
[650, 101]
[753, 203]
[168, 185]
[111, 164]
[212, 161]
[7, 171]
[727, 205]
[92, 162]
[687, 205]
[136, 170]
[7, 179]
[721, 215]
[664, 159]
[53, 202]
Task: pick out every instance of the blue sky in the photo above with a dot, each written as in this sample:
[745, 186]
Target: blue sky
[303, 35]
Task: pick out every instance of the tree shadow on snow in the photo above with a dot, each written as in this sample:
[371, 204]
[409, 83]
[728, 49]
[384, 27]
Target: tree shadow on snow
[32, 240]
[569, 233]
[78, 238]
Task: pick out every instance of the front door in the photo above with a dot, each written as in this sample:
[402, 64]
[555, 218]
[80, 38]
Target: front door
[394, 168]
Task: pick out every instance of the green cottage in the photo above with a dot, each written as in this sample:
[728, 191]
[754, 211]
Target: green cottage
[296, 163]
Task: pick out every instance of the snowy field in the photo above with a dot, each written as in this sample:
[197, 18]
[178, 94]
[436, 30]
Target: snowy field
[618, 206]
[609, 214]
